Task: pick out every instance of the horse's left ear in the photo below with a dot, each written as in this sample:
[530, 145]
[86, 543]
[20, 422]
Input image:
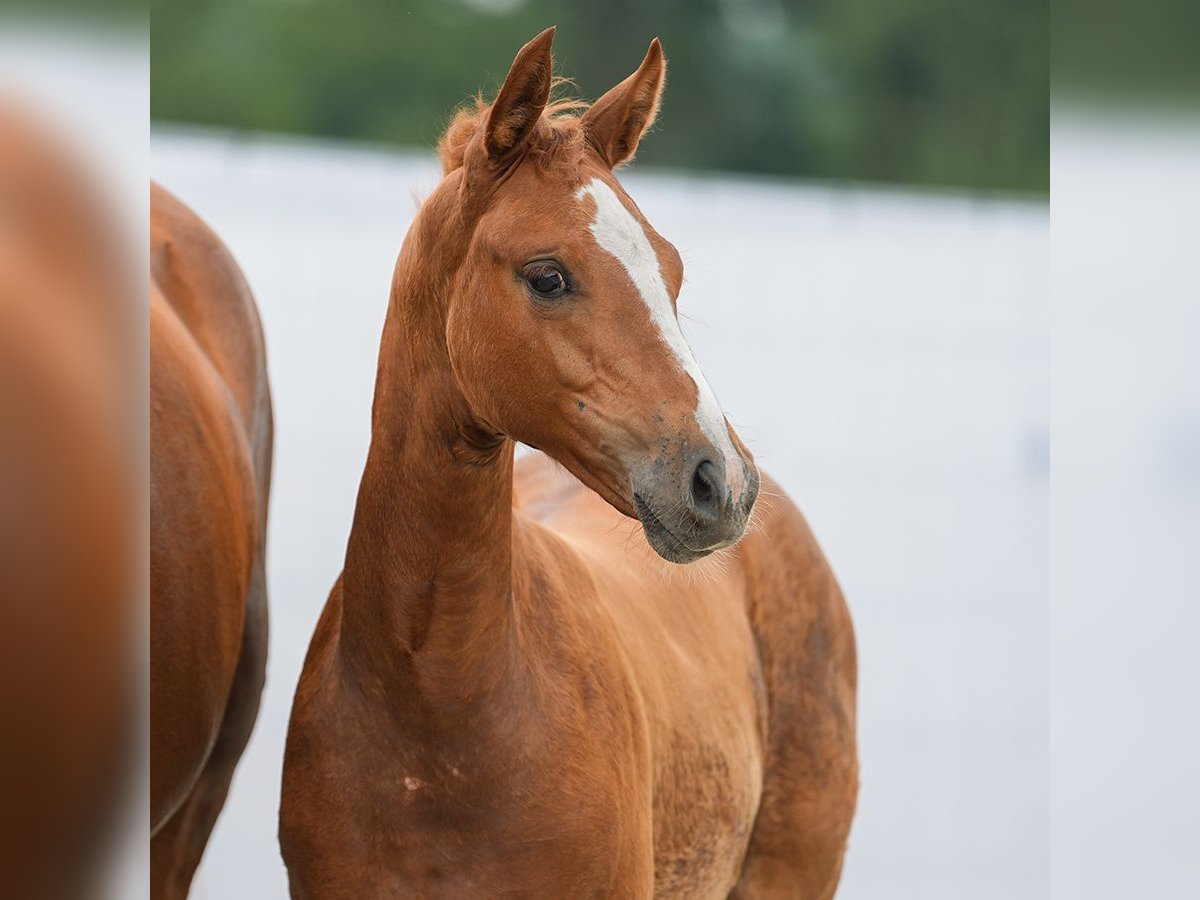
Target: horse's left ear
[616, 122]
[522, 98]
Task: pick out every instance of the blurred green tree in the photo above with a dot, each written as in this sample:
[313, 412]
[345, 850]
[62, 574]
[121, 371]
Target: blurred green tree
[922, 91]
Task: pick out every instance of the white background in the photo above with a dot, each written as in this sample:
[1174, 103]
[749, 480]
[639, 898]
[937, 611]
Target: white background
[883, 353]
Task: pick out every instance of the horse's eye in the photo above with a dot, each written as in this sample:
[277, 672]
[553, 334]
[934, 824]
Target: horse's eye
[546, 280]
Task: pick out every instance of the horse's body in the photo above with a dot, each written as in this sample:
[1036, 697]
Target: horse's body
[509, 692]
[210, 465]
[648, 729]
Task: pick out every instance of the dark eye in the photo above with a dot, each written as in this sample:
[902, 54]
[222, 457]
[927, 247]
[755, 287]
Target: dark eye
[546, 280]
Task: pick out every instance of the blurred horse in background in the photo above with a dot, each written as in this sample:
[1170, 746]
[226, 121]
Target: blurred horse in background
[210, 475]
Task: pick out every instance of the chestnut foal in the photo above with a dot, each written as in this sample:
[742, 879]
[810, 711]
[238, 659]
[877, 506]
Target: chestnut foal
[509, 693]
[210, 473]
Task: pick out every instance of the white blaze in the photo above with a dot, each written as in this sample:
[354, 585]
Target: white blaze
[619, 233]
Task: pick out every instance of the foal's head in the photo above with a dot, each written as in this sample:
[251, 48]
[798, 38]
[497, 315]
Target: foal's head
[561, 322]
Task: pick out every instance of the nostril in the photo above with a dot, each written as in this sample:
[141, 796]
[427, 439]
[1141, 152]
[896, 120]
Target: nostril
[704, 489]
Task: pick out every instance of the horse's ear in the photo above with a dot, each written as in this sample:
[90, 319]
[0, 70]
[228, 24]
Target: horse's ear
[617, 121]
[524, 95]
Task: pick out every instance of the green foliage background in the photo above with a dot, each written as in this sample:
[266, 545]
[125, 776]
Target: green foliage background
[951, 92]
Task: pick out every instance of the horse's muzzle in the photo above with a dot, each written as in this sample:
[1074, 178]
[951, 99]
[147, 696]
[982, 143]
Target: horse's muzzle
[688, 518]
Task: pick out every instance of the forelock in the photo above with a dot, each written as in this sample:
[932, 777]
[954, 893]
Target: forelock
[557, 138]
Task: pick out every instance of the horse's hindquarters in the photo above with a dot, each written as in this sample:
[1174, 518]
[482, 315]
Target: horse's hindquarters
[210, 459]
[201, 553]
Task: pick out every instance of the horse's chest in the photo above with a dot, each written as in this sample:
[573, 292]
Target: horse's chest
[707, 789]
[705, 721]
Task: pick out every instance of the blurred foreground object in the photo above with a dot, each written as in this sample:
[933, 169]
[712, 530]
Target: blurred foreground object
[70, 453]
[210, 473]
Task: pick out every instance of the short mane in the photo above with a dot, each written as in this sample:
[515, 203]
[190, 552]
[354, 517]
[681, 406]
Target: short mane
[558, 133]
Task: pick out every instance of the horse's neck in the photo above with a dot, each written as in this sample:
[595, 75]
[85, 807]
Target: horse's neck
[428, 565]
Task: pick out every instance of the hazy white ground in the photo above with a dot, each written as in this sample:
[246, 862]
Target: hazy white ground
[884, 354]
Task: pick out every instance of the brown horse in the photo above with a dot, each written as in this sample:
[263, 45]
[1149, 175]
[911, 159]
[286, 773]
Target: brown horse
[70, 469]
[510, 692]
[210, 472]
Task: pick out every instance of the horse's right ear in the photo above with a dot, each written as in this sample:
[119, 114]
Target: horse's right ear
[616, 122]
[522, 98]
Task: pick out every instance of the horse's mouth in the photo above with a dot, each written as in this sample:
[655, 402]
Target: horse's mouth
[665, 542]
